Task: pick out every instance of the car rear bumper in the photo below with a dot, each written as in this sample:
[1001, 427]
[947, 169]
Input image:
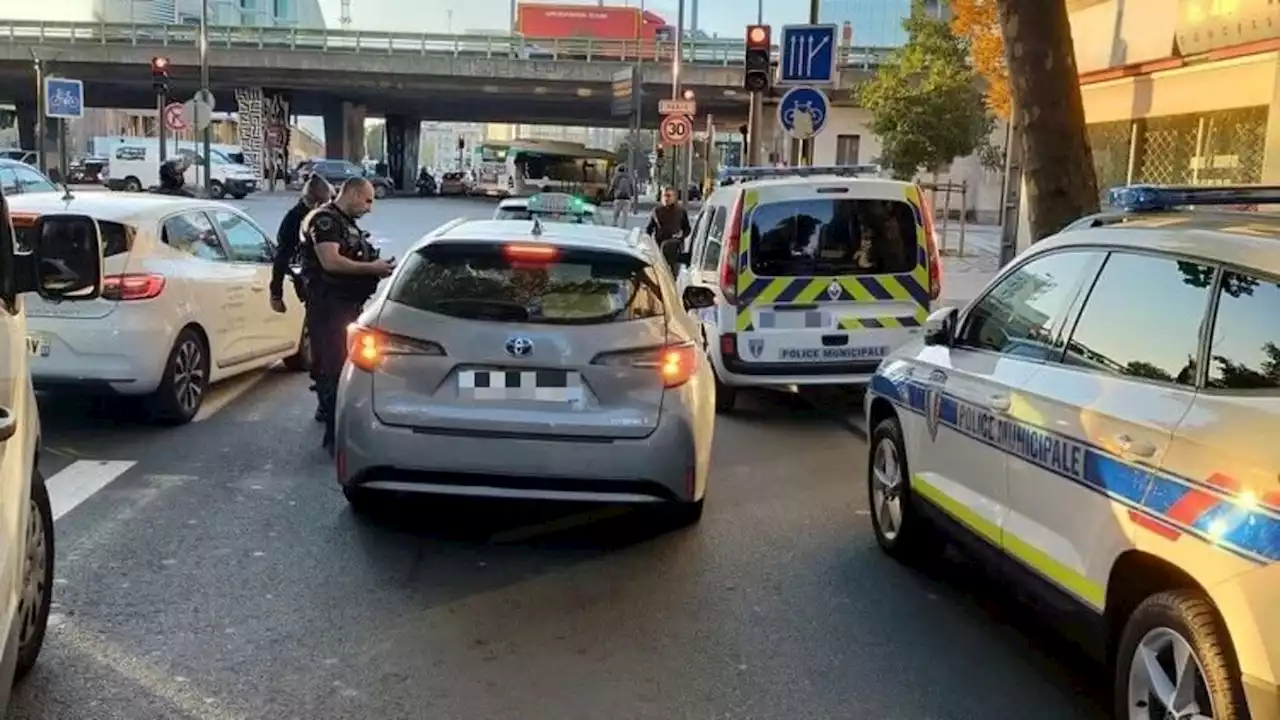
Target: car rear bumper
[661, 467]
[122, 353]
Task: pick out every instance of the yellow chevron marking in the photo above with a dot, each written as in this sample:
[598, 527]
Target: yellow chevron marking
[895, 288]
[813, 290]
[856, 289]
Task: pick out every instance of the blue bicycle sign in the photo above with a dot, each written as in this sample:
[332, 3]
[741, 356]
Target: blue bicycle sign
[63, 98]
[803, 112]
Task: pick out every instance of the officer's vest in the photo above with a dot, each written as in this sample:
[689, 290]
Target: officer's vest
[353, 247]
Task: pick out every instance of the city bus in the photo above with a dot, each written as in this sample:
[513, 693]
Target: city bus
[545, 165]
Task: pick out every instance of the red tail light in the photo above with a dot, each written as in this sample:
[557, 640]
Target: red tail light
[935, 258]
[729, 269]
[675, 363]
[132, 286]
[729, 345]
[367, 348]
[530, 253]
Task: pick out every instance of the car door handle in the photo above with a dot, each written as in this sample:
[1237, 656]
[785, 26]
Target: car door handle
[1136, 448]
[8, 424]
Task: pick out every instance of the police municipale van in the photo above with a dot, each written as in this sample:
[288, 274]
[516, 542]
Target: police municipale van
[1101, 425]
[815, 275]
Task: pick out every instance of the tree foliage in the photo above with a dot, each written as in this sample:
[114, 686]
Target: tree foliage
[926, 104]
[978, 22]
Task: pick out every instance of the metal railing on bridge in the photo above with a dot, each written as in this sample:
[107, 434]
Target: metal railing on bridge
[701, 52]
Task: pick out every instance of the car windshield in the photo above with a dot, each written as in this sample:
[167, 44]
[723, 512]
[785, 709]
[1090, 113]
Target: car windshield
[824, 236]
[486, 281]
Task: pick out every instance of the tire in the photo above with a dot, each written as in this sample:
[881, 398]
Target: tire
[684, 514]
[132, 184]
[726, 397]
[901, 531]
[379, 191]
[301, 360]
[362, 501]
[1158, 624]
[216, 190]
[37, 577]
[177, 400]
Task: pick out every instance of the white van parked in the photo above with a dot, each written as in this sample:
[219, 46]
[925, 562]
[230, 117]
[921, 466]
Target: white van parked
[135, 166]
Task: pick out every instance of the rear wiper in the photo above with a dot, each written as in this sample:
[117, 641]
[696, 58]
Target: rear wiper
[491, 309]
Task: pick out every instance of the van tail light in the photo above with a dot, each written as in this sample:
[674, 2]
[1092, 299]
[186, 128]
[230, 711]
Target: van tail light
[931, 240]
[675, 363]
[367, 348]
[733, 240]
[729, 345]
[132, 286]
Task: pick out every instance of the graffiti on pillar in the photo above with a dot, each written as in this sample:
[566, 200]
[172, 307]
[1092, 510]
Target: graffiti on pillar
[264, 131]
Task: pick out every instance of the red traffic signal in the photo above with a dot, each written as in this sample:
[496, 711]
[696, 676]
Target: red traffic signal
[160, 65]
[758, 36]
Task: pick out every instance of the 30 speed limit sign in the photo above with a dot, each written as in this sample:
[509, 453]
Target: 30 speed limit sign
[676, 129]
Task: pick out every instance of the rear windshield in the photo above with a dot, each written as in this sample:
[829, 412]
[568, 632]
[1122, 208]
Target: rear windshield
[519, 213]
[116, 238]
[478, 282]
[833, 237]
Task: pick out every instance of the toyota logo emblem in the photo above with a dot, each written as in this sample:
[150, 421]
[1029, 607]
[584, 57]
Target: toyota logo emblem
[519, 346]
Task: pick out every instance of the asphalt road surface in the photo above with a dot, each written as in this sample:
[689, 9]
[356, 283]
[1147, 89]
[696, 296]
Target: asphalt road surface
[214, 572]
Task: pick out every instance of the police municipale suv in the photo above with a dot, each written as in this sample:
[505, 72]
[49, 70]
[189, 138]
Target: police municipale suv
[1103, 425]
[513, 359]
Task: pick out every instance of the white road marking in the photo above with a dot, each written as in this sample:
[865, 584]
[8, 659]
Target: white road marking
[226, 392]
[80, 480]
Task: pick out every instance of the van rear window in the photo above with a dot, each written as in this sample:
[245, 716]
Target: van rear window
[831, 236]
[478, 281]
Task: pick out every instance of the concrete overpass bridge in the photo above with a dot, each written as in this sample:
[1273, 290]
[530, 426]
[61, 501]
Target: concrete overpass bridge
[345, 75]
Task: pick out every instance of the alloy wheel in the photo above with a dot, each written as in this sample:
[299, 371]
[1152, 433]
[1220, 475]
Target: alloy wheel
[34, 577]
[188, 375]
[1166, 680]
[886, 489]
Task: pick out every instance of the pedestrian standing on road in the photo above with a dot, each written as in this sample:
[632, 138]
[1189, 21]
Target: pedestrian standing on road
[342, 269]
[623, 192]
[669, 226]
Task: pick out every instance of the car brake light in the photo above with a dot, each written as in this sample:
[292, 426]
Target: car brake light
[931, 242]
[132, 286]
[729, 268]
[676, 363]
[729, 345]
[367, 347]
[529, 253]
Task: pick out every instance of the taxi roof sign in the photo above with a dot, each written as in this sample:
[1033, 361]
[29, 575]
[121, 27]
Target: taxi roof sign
[1155, 198]
[768, 173]
[555, 203]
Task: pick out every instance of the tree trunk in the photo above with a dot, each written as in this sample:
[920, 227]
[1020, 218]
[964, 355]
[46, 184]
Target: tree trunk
[1057, 163]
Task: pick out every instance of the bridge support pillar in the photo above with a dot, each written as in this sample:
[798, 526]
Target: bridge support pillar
[344, 131]
[403, 138]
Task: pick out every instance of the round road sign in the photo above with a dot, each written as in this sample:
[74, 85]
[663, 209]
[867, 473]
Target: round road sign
[676, 129]
[173, 118]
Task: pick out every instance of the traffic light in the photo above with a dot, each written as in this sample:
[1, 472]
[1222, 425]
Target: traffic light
[160, 74]
[758, 59]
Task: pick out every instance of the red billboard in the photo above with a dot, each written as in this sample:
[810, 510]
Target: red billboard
[536, 20]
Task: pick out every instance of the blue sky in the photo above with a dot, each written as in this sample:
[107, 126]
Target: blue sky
[725, 17]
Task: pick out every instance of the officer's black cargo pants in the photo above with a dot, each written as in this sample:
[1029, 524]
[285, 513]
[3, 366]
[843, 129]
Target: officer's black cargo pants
[327, 319]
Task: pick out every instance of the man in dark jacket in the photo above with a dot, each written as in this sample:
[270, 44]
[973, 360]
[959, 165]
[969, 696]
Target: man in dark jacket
[173, 178]
[315, 193]
[669, 226]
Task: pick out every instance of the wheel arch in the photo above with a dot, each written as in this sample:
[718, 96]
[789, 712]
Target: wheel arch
[1135, 576]
[879, 411]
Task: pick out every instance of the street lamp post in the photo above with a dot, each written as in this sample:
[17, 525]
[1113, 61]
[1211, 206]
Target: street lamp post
[676, 62]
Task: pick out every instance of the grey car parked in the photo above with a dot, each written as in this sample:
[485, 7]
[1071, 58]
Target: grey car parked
[511, 359]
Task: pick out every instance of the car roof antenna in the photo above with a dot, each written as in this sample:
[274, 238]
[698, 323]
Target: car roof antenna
[66, 189]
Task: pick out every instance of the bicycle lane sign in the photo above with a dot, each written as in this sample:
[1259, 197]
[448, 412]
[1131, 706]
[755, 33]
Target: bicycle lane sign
[803, 112]
[63, 98]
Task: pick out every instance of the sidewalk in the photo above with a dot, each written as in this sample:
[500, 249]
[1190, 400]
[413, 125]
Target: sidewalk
[965, 276]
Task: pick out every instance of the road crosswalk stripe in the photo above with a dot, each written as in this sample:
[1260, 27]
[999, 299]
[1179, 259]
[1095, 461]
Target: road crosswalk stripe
[80, 480]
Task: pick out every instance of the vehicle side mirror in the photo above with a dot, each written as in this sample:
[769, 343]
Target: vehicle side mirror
[940, 327]
[66, 251]
[696, 297]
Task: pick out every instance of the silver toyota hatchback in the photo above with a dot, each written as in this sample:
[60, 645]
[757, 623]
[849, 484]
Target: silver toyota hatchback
[511, 359]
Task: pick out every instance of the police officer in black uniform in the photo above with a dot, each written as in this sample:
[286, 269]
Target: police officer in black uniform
[341, 269]
[173, 179]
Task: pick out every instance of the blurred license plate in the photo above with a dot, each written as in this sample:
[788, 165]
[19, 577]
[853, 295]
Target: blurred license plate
[561, 386]
[37, 346]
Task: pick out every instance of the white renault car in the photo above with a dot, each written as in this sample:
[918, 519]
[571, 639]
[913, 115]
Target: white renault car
[1102, 426]
[184, 303]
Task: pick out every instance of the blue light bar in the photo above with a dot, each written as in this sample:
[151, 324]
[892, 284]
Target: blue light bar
[1155, 198]
[763, 173]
